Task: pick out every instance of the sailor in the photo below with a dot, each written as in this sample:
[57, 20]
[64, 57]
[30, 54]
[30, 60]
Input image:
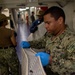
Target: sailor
[59, 42]
[34, 26]
[9, 63]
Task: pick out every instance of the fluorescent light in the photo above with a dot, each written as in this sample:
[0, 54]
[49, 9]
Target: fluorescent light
[33, 7]
[23, 9]
[27, 7]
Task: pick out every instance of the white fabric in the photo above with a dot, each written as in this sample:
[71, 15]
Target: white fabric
[38, 34]
[31, 65]
[22, 35]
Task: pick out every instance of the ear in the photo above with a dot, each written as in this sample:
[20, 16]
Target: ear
[60, 20]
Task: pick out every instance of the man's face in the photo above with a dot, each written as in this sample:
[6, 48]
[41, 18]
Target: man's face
[51, 24]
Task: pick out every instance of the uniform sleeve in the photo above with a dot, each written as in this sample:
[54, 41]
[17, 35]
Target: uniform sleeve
[38, 44]
[69, 64]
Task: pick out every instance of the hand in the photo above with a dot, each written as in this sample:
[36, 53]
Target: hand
[44, 57]
[34, 29]
[25, 44]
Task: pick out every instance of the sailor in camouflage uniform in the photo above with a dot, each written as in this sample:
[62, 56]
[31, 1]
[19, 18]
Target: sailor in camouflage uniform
[9, 63]
[59, 41]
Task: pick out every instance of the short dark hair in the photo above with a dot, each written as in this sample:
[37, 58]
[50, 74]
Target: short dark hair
[32, 12]
[56, 12]
[1, 23]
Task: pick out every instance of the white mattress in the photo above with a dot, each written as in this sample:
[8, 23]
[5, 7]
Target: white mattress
[31, 65]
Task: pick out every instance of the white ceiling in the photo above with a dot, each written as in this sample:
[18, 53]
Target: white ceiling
[24, 3]
[12, 3]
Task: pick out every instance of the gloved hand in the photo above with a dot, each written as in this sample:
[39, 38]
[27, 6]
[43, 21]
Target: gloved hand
[34, 29]
[44, 57]
[25, 44]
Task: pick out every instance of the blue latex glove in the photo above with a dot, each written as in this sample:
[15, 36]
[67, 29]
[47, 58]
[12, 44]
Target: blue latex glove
[44, 57]
[25, 44]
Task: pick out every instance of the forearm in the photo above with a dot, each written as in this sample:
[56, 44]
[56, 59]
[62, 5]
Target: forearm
[38, 44]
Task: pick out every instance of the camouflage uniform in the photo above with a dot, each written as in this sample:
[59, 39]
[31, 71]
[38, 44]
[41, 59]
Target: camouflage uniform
[62, 50]
[8, 62]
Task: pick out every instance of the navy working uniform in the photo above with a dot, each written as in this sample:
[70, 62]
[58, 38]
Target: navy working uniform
[8, 57]
[61, 49]
[59, 42]
[9, 63]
